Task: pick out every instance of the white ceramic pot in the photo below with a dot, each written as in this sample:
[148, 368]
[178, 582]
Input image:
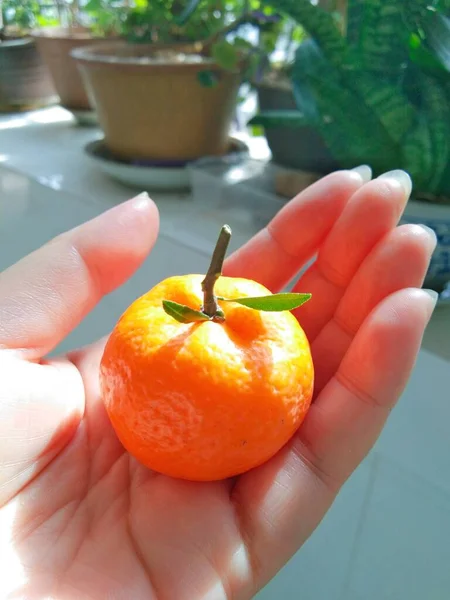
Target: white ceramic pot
[436, 216]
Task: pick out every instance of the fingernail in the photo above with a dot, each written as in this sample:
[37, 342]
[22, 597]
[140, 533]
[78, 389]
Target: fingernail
[429, 231]
[401, 178]
[364, 171]
[141, 202]
[434, 298]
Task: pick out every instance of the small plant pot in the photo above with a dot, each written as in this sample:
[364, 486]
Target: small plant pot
[437, 217]
[25, 82]
[150, 102]
[299, 148]
[55, 45]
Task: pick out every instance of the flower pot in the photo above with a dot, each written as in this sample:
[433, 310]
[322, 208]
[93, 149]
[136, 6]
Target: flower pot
[436, 216]
[151, 104]
[299, 148]
[25, 81]
[55, 45]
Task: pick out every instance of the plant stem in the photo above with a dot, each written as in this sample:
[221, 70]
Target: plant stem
[210, 306]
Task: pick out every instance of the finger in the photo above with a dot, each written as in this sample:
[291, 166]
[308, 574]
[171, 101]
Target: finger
[48, 293]
[352, 408]
[280, 503]
[276, 253]
[372, 211]
[399, 261]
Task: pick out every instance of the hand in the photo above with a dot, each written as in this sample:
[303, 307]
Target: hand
[80, 519]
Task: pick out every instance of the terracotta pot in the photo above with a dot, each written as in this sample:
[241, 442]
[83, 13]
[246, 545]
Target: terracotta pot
[158, 110]
[299, 148]
[55, 45]
[25, 81]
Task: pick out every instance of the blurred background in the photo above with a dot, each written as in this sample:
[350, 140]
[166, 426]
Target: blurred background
[223, 110]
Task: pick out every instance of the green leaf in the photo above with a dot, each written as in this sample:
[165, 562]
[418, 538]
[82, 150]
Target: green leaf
[371, 94]
[187, 11]
[93, 5]
[272, 303]
[242, 43]
[427, 147]
[256, 131]
[320, 25]
[350, 127]
[279, 118]
[208, 79]
[354, 17]
[425, 59]
[387, 101]
[383, 36]
[225, 55]
[306, 54]
[437, 34]
[417, 153]
[182, 313]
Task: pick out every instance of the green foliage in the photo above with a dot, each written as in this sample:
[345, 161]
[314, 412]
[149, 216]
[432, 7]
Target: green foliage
[167, 21]
[207, 78]
[104, 17]
[280, 118]
[183, 313]
[271, 303]
[380, 92]
[225, 54]
[146, 21]
[20, 16]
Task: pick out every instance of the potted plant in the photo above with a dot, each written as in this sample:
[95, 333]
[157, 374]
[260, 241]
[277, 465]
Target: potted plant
[25, 82]
[168, 92]
[377, 91]
[298, 149]
[77, 26]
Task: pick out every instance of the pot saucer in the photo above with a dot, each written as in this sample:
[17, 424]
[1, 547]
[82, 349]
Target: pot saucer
[152, 175]
[84, 118]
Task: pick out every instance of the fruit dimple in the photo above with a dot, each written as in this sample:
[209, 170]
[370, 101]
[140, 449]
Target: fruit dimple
[205, 400]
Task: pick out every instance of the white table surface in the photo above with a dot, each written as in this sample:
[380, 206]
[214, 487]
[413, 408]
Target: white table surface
[388, 534]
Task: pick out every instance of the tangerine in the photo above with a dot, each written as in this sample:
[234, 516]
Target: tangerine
[211, 398]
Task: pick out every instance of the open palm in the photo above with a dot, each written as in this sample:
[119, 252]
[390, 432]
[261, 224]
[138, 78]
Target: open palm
[80, 519]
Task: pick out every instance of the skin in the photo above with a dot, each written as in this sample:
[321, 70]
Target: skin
[80, 519]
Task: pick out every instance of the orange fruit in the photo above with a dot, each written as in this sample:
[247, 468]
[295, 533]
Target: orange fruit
[210, 399]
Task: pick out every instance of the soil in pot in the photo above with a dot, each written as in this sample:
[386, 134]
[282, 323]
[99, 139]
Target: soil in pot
[151, 104]
[55, 45]
[25, 82]
[299, 148]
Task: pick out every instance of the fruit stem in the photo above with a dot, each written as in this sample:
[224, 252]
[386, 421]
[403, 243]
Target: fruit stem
[210, 306]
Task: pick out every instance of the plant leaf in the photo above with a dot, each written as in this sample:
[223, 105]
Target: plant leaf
[272, 303]
[279, 118]
[305, 55]
[383, 36]
[319, 24]
[437, 33]
[350, 127]
[426, 148]
[187, 11]
[425, 59]
[354, 18]
[383, 99]
[208, 79]
[182, 313]
[225, 55]
[256, 130]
